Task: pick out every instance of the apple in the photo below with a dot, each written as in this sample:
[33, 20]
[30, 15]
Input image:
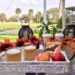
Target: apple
[58, 57]
[43, 57]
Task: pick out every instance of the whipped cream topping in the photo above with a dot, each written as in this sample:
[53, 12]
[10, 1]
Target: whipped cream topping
[12, 51]
[30, 47]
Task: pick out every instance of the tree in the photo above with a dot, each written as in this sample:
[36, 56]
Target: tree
[13, 19]
[38, 17]
[48, 15]
[24, 18]
[54, 13]
[30, 15]
[3, 17]
[18, 12]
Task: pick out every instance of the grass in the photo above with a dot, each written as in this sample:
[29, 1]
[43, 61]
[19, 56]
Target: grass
[11, 37]
[8, 26]
[14, 26]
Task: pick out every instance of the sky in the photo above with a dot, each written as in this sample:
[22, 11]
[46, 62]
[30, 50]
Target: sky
[9, 6]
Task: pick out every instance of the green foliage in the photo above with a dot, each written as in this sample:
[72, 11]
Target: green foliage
[41, 32]
[3, 17]
[24, 18]
[54, 30]
[18, 10]
[59, 23]
[42, 28]
[30, 15]
[53, 14]
[49, 28]
[13, 19]
[38, 17]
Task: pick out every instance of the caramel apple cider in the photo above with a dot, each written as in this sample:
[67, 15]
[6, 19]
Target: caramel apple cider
[13, 55]
[30, 53]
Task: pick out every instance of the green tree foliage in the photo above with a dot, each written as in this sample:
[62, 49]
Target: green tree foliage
[48, 14]
[24, 18]
[54, 12]
[38, 17]
[3, 17]
[13, 19]
[18, 12]
[30, 15]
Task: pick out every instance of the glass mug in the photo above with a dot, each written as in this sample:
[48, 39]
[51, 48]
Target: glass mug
[30, 53]
[13, 55]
